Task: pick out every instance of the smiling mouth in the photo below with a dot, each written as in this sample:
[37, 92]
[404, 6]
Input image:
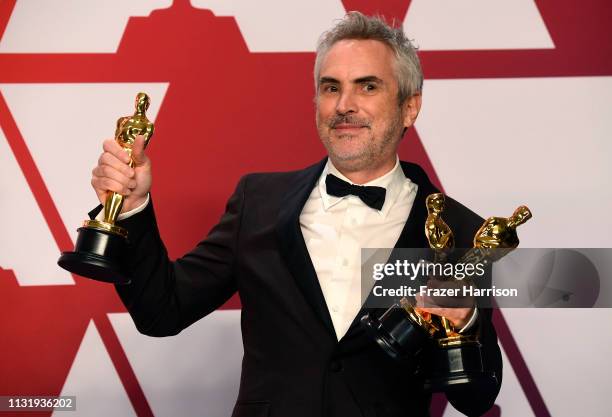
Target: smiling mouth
[348, 127]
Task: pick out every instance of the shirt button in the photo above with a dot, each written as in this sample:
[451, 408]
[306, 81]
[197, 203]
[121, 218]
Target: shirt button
[335, 309]
[353, 221]
[344, 262]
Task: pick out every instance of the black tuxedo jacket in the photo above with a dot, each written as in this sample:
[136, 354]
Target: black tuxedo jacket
[293, 365]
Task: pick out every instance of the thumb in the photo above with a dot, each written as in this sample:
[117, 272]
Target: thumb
[138, 155]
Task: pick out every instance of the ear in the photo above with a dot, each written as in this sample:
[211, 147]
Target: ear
[411, 108]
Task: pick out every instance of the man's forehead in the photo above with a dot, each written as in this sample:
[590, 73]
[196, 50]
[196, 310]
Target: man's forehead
[356, 58]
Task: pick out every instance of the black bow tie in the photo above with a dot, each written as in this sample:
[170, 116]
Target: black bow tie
[372, 196]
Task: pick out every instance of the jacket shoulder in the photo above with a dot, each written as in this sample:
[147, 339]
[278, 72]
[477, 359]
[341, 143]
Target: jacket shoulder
[416, 173]
[279, 181]
[463, 221]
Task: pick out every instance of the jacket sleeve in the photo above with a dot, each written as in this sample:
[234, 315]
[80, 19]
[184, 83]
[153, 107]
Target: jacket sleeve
[165, 297]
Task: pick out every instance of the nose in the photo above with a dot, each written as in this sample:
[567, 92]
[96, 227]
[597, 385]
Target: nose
[346, 103]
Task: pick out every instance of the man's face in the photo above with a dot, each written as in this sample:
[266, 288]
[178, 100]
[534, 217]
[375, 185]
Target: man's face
[359, 118]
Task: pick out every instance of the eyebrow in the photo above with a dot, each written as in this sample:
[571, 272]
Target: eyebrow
[360, 80]
[328, 80]
[368, 79]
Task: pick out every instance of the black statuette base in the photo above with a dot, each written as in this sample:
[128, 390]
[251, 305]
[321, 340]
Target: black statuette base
[396, 333]
[97, 255]
[454, 365]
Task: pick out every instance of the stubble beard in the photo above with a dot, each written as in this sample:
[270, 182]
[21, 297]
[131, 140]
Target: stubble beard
[369, 154]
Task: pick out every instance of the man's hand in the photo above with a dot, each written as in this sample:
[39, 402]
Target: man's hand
[457, 310]
[113, 174]
[458, 316]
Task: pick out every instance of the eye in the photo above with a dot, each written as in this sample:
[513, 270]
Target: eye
[330, 88]
[369, 87]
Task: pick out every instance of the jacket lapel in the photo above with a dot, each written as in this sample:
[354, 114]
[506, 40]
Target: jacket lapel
[413, 233]
[293, 247]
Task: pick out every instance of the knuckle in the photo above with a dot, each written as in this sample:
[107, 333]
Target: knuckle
[107, 145]
[110, 184]
[105, 158]
[107, 170]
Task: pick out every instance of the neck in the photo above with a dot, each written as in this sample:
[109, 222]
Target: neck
[362, 176]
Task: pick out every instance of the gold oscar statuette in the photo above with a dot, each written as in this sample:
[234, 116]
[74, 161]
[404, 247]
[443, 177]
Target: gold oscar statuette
[441, 239]
[457, 358]
[101, 244]
[448, 358]
[439, 235]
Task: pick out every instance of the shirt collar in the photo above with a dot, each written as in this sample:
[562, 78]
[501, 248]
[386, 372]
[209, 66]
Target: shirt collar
[393, 181]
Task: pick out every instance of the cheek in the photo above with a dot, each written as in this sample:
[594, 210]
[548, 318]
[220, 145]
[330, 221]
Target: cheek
[377, 112]
[325, 109]
[388, 117]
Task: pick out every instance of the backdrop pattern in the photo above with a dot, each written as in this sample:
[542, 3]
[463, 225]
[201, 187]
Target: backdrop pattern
[231, 87]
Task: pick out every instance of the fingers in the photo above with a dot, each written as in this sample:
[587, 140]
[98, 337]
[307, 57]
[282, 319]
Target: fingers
[119, 176]
[444, 301]
[112, 147]
[118, 162]
[113, 172]
[108, 184]
[457, 316]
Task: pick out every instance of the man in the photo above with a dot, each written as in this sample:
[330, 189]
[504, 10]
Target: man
[290, 244]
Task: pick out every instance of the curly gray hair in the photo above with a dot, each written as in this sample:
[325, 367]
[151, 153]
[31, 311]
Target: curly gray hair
[356, 25]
